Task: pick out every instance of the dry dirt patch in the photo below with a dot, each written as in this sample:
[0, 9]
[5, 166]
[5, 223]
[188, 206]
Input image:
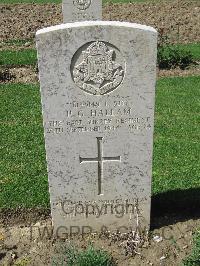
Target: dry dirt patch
[178, 19]
[24, 74]
[22, 243]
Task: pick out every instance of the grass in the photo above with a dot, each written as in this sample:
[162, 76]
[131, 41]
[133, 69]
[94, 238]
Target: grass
[182, 56]
[177, 140]
[70, 256]
[21, 57]
[29, 56]
[176, 143]
[194, 258]
[23, 169]
[194, 48]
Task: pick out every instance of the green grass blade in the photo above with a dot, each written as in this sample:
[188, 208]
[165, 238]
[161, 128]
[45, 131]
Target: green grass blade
[176, 142]
[29, 56]
[21, 57]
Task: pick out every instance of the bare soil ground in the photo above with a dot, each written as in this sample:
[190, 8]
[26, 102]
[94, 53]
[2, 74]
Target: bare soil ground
[26, 238]
[22, 243]
[179, 19]
[25, 74]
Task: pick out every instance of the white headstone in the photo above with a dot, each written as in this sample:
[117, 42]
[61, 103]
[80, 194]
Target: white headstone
[97, 84]
[80, 10]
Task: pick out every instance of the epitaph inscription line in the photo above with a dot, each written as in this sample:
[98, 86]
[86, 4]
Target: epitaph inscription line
[99, 159]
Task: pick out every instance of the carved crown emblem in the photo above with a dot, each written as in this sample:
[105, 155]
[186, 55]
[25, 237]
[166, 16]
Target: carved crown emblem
[82, 4]
[98, 73]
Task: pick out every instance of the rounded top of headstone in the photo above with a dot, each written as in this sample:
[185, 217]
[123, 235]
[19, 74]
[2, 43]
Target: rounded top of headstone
[96, 23]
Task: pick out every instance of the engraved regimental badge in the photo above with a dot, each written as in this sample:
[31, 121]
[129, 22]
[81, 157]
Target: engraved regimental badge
[97, 68]
[82, 4]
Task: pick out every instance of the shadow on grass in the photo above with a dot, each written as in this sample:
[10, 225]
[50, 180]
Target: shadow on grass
[167, 208]
[175, 206]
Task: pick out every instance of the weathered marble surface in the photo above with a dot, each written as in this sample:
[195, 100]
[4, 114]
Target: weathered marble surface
[97, 85]
[81, 10]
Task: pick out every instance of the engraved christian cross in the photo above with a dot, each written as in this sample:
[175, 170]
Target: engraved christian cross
[99, 159]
